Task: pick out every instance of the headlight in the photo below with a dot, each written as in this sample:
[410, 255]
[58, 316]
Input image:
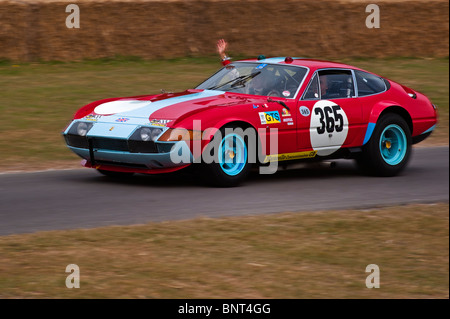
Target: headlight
[155, 133]
[146, 134]
[150, 134]
[142, 140]
[80, 128]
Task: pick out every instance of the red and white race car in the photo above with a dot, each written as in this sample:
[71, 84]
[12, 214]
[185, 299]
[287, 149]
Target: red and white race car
[257, 111]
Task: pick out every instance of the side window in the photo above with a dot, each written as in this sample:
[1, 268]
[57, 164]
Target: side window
[312, 93]
[336, 84]
[369, 84]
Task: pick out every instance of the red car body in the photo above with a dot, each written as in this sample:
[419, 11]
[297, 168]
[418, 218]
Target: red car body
[310, 121]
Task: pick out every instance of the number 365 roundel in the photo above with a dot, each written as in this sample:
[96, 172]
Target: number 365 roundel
[329, 127]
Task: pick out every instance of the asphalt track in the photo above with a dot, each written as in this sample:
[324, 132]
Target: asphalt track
[81, 198]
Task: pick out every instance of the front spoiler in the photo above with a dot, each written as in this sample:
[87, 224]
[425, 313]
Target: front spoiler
[147, 163]
[124, 169]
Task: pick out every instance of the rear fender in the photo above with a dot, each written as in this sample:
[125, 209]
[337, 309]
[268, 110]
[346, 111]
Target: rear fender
[378, 110]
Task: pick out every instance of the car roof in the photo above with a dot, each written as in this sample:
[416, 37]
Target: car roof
[312, 64]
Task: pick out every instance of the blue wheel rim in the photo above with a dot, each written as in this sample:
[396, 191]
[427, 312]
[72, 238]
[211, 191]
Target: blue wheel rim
[393, 144]
[232, 154]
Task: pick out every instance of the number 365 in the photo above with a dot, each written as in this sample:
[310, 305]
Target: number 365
[330, 119]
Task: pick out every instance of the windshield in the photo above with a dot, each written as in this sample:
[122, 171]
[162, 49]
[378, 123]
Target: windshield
[257, 78]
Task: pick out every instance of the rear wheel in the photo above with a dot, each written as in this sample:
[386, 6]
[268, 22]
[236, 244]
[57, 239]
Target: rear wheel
[230, 164]
[388, 151]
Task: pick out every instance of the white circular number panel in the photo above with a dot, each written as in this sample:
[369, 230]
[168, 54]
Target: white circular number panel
[329, 127]
[119, 107]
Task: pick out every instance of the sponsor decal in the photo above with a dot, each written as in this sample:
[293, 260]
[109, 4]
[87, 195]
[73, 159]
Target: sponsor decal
[269, 117]
[286, 93]
[162, 123]
[157, 124]
[255, 106]
[122, 119]
[328, 128]
[285, 112]
[261, 66]
[92, 118]
[290, 123]
[304, 111]
[289, 119]
[290, 156]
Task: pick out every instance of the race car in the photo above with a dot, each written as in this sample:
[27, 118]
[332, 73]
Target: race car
[256, 112]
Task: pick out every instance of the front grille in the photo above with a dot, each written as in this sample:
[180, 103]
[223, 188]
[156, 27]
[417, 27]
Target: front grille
[76, 141]
[142, 147]
[111, 144]
[165, 147]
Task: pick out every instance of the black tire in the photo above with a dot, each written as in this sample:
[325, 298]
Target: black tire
[373, 161]
[113, 174]
[214, 174]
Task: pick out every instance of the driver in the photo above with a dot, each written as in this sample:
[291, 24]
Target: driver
[323, 86]
[261, 84]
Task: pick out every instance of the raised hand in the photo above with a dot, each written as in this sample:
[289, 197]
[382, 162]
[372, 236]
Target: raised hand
[221, 47]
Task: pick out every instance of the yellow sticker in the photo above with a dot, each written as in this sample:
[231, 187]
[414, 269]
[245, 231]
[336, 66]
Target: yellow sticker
[290, 156]
[270, 117]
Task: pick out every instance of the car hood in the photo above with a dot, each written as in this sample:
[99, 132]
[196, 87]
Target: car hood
[161, 109]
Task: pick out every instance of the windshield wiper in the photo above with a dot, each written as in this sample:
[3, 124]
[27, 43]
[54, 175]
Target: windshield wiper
[269, 99]
[241, 79]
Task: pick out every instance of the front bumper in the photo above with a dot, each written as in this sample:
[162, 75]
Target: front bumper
[103, 157]
[122, 152]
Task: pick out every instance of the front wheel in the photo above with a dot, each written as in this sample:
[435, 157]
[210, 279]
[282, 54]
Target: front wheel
[388, 151]
[230, 164]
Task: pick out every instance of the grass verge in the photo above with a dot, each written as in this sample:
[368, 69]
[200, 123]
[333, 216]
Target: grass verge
[38, 100]
[289, 255]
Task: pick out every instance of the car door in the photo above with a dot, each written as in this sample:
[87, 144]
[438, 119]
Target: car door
[329, 114]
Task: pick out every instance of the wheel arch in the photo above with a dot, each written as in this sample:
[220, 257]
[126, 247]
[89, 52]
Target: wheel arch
[382, 109]
[240, 123]
[243, 125]
[400, 111]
